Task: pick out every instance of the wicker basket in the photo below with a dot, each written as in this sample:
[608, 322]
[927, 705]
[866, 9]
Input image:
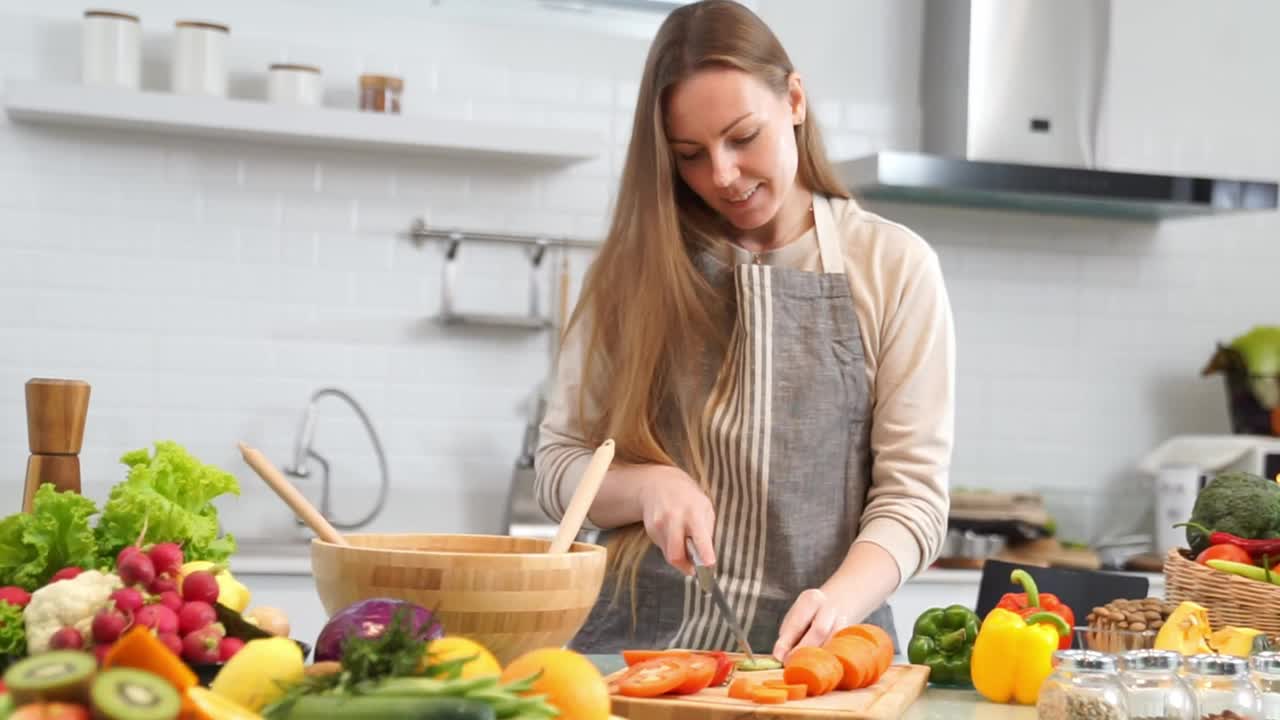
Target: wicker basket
[1230, 599]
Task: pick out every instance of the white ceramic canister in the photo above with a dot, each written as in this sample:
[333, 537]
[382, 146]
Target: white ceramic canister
[111, 49]
[200, 58]
[290, 84]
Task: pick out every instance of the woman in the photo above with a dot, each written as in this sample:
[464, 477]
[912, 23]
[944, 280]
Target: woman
[774, 364]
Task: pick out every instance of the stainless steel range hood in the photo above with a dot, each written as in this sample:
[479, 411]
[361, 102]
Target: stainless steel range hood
[1010, 97]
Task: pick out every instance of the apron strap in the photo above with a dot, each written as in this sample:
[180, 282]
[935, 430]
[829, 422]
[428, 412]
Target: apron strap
[828, 240]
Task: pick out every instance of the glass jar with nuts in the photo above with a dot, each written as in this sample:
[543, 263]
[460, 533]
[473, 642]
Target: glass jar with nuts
[1083, 686]
[1123, 625]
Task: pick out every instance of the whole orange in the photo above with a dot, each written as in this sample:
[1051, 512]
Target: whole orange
[569, 680]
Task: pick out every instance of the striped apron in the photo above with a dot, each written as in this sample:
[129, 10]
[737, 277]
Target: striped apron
[787, 437]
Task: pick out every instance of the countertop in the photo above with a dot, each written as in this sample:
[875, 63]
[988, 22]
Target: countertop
[259, 557]
[934, 704]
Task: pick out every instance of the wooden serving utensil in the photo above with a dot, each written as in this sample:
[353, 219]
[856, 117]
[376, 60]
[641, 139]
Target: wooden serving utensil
[294, 499]
[56, 413]
[576, 513]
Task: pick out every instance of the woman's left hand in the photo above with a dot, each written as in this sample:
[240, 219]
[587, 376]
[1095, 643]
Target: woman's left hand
[812, 620]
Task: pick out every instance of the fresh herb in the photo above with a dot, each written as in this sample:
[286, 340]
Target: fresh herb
[396, 664]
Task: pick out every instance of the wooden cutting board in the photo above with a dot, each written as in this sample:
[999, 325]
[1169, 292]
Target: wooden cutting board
[886, 700]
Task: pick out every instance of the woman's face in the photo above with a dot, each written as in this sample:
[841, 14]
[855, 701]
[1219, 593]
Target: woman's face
[734, 142]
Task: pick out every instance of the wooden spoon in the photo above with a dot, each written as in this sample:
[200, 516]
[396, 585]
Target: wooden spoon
[576, 513]
[294, 499]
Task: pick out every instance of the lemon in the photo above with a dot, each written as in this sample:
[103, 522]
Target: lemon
[454, 647]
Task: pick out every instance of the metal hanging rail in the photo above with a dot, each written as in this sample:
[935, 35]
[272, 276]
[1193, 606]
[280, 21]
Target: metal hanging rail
[420, 233]
[535, 246]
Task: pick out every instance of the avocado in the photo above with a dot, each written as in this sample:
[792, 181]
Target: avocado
[1239, 503]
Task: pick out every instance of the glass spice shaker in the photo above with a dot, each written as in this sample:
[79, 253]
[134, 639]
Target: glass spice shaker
[1222, 687]
[1152, 687]
[1265, 672]
[1084, 685]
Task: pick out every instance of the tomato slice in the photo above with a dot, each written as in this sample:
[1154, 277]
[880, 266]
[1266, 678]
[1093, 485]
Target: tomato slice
[635, 657]
[724, 667]
[654, 677]
[701, 670]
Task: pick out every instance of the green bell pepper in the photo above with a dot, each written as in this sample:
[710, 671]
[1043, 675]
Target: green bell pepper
[942, 640]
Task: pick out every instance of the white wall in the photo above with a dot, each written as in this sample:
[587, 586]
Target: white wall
[206, 288]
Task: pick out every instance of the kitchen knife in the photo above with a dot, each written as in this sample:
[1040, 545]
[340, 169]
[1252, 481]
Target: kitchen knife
[707, 579]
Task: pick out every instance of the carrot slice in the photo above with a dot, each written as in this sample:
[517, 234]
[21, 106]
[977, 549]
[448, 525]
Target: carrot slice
[794, 692]
[742, 688]
[813, 667]
[769, 696]
[858, 658]
[878, 637]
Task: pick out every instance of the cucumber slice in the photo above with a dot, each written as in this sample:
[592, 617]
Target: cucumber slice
[765, 662]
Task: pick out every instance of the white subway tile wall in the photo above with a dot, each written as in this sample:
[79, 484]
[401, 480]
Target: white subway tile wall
[207, 288]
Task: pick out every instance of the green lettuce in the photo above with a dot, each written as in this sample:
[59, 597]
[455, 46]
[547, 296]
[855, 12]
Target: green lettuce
[13, 631]
[55, 535]
[168, 494]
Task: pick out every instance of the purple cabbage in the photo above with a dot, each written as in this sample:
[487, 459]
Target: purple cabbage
[370, 619]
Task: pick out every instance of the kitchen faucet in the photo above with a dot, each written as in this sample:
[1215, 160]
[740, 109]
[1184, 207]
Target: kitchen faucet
[303, 452]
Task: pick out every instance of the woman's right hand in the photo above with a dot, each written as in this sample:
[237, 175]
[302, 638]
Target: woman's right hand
[675, 508]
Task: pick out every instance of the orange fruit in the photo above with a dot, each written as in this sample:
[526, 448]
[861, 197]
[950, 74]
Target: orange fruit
[569, 680]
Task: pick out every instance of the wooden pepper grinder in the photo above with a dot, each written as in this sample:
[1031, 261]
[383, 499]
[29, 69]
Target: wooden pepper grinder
[56, 411]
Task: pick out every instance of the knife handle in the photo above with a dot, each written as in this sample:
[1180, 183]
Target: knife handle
[693, 552]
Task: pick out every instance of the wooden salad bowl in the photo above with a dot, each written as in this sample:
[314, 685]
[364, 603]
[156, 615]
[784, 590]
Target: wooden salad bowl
[509, 594]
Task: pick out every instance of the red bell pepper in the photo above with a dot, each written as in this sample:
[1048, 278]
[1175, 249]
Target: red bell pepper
[1033, 601]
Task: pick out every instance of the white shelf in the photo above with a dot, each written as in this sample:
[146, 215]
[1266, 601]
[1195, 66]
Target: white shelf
[40, 102]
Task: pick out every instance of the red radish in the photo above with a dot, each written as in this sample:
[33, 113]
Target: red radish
[229, 647]
[66, 573]
[200, 585]
[201, 646]
[173, 642]
[167, 558]
[107, 626]
[126, 552]
[157, 617]
[127, 600]
[68, 638]
[195, 615]
[171, 599]
[162, 583]
[100, 651]
[15, 595]
[136, 570]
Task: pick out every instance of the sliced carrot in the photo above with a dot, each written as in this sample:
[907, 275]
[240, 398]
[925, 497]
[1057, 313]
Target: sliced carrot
[878, 637]
[813, 667]
[769, 696]
[742, 688]
[858, 657]
[794, 692]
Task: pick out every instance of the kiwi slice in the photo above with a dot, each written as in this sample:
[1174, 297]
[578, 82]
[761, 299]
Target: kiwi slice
[760, 663]
[57, 676]
[125, 694]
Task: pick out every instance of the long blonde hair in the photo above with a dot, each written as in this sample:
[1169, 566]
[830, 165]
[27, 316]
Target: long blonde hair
[652, 316]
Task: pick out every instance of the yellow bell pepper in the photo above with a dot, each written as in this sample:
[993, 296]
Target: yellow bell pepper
[1012, 656]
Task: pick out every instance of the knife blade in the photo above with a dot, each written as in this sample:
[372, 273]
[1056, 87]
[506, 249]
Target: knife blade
[707, 580]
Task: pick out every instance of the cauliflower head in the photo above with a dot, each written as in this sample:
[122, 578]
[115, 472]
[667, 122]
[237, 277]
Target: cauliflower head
[67, 603]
